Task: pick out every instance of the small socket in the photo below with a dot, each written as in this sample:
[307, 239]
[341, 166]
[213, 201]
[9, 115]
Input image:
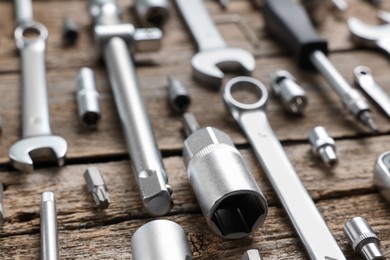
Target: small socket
[229, 197]
[151, 13]
[285, 87]
[87, 98]
[70, 32]
[323, 146]
[97, 187]
[252, 254]
[150, 242]
[178, 95]
[363, 239]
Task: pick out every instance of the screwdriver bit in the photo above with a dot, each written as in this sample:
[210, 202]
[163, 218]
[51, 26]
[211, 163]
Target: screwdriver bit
[1, 204]
[96, 185]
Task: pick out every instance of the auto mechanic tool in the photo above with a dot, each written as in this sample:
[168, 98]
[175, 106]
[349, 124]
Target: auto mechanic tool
[371, 36]
[300, 208]
[70, 31]
[382, 174]
[178, 96]
[323, 146]
[285, 87]
[152, 13]
[363, 239]
[365, 81]
[97, 187]
[252, 254]
[230, 199]
[38, 143]
[289, 23]
[1, 204]
[162, 240]
[49, 233]
[87, 98]
[213, 53]
[113, 38]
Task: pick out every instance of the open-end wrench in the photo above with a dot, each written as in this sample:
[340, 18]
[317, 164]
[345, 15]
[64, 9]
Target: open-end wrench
[38, 144]
[114, 39]
[300, 208]
[213, 53]
[372, 36]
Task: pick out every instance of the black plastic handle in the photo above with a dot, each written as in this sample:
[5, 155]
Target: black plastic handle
[290, 25]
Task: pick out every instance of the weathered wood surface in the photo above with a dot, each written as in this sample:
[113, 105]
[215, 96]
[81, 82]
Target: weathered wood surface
[86, 233]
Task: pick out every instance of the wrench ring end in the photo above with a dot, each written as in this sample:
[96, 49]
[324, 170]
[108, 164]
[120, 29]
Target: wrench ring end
[245, 83]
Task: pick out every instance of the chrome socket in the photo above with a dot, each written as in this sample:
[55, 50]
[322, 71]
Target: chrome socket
[285, 87]
[230, 199]
[363, 239]
[87, 98]
[162, 240]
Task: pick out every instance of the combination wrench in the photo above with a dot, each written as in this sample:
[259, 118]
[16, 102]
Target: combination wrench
[213, 53]
[38, 144]
[300, 208]
[113, 39]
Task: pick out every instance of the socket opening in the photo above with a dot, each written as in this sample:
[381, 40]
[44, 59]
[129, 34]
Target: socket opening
[237, 215]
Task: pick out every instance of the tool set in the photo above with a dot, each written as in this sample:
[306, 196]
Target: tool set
[230, 199]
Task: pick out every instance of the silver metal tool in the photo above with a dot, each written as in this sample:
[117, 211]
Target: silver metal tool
[252, 254]
[323, 146]
[213, 53]
[178, 95]
[97, 187]
[49, 233]
[371, 36]
[363, 239]
[230, 199]
[113, 39]
[365, 81]
[70, 31]
[87, 98]
[162, 240]
[285, 87]
[1, 205]
[382, 174]
[38, 143]
[310, 50]
[152, 12]
[300, 208]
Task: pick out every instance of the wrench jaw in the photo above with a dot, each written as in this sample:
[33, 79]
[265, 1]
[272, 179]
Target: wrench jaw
[207, 65]
[369, 35]
[155, 192]
[38, 148]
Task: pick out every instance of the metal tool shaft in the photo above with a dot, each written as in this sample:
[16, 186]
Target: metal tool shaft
[147, 163]
[300, 208]
[49, 233]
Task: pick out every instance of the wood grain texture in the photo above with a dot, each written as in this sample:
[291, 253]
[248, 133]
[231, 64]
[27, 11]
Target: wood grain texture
[88, 233]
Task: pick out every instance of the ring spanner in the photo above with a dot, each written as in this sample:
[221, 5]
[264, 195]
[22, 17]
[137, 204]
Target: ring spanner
[213, 53]
[38, 143]
[300, 208]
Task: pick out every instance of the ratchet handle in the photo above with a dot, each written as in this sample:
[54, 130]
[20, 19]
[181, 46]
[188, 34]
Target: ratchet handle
[290, 25]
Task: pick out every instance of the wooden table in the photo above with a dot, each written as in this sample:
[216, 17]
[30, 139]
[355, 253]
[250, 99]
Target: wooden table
[87, 233]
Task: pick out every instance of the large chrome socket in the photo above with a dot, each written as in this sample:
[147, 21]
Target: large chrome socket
[230, 199]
